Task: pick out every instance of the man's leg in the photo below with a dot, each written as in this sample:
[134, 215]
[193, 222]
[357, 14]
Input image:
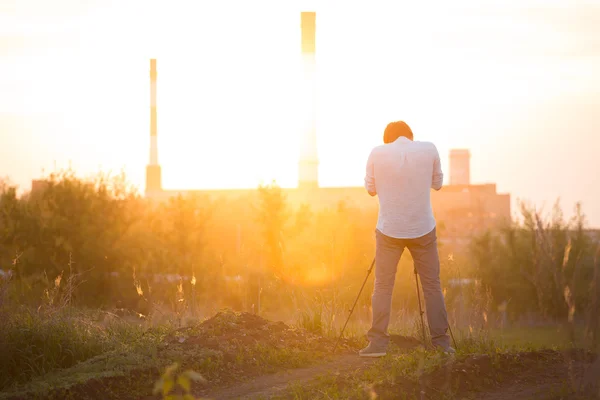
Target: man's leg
[387, 254]
[427, 263]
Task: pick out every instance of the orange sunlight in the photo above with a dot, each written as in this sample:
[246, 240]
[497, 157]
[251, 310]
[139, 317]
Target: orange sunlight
[230, 94]
[312, 276]
[196, 200]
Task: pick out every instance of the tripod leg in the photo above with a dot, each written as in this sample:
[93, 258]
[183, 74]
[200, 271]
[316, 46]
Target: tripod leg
[452, 334]
[420, 308]
[421, 313]
[355, 301]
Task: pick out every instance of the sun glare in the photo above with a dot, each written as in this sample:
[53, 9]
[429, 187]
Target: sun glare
[231, 94]
[180, 289]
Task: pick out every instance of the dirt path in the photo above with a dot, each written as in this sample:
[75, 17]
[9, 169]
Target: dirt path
[269, 385]
[549, 381]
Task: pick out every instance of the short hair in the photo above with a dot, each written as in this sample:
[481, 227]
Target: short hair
[396, 129]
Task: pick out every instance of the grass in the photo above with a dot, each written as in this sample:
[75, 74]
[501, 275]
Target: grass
[80, 355]
[62, 347]
[72, 353]
[550, 336]
[36, 342]
[361, 384]
[404, 376]
[124, 362]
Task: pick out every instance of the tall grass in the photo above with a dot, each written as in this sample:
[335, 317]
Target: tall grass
[34, 342]
[57, 335]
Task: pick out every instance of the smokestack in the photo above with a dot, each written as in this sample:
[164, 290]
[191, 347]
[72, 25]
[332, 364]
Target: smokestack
[308, 171]
[153, 172]
[460, 170]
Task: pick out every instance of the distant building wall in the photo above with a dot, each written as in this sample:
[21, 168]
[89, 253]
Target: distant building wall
[468, 212]
[460, 169]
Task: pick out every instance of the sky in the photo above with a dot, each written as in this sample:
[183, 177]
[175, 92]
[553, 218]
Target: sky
[516, 82]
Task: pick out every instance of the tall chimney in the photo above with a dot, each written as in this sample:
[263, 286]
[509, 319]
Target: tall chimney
[153, 172]
[460, 171]
[308, 168]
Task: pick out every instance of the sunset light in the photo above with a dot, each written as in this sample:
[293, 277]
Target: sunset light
[231, 76]
[257, 199]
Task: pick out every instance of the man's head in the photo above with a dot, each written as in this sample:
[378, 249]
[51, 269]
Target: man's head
[396, 129]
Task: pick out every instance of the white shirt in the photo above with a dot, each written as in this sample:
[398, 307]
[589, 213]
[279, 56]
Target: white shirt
[402, 175]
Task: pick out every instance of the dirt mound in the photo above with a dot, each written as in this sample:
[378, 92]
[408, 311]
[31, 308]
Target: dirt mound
[229, 328]
[229, 331]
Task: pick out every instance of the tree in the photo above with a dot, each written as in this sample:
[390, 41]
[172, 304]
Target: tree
[273, 215]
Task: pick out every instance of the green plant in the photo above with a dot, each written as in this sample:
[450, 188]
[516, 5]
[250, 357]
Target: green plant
[169, 383]
[312, 321]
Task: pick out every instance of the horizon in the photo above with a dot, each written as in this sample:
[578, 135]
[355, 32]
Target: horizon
[518, 87]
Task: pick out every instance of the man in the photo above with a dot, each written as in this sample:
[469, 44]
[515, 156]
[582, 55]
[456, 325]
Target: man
[402, 172]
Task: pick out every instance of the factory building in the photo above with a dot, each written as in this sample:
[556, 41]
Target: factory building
[462, 208]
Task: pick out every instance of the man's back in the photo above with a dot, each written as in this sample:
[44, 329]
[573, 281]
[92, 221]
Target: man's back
[402, 173]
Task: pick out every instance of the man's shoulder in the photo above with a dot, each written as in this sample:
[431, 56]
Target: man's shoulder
[425, 145]
[378, 149]
[419, 145]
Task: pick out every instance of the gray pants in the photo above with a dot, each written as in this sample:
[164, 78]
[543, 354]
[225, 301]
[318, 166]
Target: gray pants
[427, 263]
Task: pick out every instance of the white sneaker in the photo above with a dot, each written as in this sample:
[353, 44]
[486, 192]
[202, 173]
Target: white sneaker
[372, 351]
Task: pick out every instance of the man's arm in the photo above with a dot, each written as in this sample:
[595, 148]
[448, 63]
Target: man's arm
[370, 176]
[438, 177]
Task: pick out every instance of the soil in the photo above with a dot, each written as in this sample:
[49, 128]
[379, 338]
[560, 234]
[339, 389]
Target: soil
[552, 382]
[231, 333]
[529, 375]
[232, 347]
[269, 385]
[509, 376]
[543, 375]
[228, 332]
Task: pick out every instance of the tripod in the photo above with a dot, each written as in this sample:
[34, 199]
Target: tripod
[421, 312]
[355, 301]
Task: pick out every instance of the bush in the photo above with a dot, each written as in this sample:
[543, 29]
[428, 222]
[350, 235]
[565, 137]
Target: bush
[542, 265]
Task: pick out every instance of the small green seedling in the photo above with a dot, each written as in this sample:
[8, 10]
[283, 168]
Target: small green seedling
[168, 381]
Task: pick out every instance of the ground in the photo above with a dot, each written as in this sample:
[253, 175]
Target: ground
[245, 356]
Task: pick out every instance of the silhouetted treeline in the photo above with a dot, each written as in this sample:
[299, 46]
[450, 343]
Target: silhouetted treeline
[256, 252]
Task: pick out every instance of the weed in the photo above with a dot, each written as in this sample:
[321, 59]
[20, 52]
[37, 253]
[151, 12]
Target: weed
[168, 384]
[312, 323]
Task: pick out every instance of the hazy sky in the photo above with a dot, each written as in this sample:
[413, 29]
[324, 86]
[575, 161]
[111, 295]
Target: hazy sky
[517, 82]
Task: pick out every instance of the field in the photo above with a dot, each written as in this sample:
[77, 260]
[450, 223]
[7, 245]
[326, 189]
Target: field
[106, 296]
[241, 354]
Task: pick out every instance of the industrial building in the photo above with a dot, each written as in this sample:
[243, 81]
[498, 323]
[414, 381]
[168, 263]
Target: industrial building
[463, 208]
